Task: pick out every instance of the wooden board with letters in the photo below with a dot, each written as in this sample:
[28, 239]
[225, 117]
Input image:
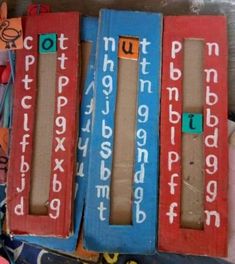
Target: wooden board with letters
[182, 128]
[44, 133]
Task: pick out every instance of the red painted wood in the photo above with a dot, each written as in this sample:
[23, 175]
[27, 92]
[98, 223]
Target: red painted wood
[59, 23]
[36, 9]
[211, 240]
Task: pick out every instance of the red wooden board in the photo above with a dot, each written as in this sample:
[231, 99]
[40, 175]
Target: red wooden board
[212, 240]
[58, 221]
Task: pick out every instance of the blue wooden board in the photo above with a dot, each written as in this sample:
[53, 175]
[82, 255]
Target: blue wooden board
[139, 237]
[88, 33]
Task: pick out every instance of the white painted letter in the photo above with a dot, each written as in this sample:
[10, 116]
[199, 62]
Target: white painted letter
[173, 115]
[208, 217]
[26, 40]
[29, 60]
[106, 130]
[210, 48]
[104, 172]
[208, 75]
[61, 102]
[106, 43]
[173, 157]
[211, 162]
[211, 141]
[175, 48]
[62, 82]
[175, 73]
[211, 98]
[19, 208]
[211, 120]
[211, 189]
[171, 212]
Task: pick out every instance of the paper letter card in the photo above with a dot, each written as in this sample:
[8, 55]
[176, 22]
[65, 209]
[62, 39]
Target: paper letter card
[48, 39]
[125, 35]
[88, 33]
[211, 123]
[11, 34]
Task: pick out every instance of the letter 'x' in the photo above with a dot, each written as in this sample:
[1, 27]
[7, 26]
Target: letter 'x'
[60, 145]
[58, 165]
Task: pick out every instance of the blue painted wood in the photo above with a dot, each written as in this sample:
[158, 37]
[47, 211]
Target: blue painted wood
[139, 237]
[89, 33]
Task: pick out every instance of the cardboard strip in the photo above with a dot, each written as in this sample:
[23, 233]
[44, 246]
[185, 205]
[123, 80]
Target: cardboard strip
[44, 34]
[43, 134]
[212, 238]
[88, 47]
[99, 233]
[192, 192]
[124, 135]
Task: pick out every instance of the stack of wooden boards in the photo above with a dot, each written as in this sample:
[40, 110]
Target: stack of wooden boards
[151, 166]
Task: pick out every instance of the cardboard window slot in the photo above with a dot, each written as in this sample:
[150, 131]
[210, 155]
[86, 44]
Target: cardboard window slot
[192, 192]
[43, 135]
[124, 133]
